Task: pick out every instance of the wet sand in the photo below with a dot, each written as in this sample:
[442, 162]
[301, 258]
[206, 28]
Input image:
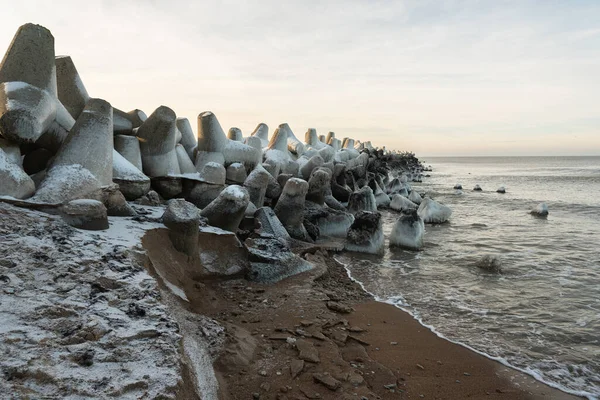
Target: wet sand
[318, 335]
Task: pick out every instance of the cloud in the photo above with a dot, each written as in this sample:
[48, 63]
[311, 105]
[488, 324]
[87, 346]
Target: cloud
[400, 73]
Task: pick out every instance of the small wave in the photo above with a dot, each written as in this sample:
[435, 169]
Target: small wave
[476, 225]
[400, 302]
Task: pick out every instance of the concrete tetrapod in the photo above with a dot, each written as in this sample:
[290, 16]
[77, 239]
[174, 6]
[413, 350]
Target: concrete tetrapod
[362, 200]
[256, 183]
[63, 183]
[30, 59]
[29, 106]
[122, 123]
[261, 132]
[14, 181]
[294, 145]
[227, 210]
[415, 197]
[183, 220]
[313, 163]
[188, 139]
[311, 139]
[90, 142]
[271, 260]
[129, 148]
[115, 202]
[137, 117]
[71, 91]
[74, 96]
[408, 231]
[433, 212]
[236, 173]
[330, 222]
[85, 214]
[401, 203]
[255, 143]
[329, 138]
[276, 153]
[12, 151]
[208, 186]
[366, 234]
[158, 138]
[186, 166]
[235, 134]
[290, 208]
[213, 145]
[132, 182]
[26, 112]
[270, 226]
[381, 198]
[541, 210]
[318, 186]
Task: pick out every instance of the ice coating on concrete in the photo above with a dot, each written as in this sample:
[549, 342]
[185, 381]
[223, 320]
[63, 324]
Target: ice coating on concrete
[433, 212]
[408, 232]
[401, 203]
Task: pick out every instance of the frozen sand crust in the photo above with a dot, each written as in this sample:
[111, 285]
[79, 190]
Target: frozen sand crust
[74, 263]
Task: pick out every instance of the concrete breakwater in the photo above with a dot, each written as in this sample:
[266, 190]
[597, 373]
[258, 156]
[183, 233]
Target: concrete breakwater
[233, 205]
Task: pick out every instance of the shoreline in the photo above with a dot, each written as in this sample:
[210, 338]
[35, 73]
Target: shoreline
[358, 347]
[440, 335]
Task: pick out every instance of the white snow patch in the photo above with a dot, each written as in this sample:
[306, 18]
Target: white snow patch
[236, 191]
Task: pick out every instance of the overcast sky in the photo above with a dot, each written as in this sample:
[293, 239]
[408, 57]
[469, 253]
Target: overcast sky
[435, 77]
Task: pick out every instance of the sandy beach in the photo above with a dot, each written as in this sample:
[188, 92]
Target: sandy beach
[318, 335]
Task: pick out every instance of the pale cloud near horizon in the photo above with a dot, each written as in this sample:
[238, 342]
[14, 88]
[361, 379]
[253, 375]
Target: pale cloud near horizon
[434, 77]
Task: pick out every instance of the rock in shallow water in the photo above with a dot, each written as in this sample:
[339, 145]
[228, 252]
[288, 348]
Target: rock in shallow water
[541, 210]
[490, 263]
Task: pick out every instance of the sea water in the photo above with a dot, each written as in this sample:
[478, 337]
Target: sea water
[541, 314]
